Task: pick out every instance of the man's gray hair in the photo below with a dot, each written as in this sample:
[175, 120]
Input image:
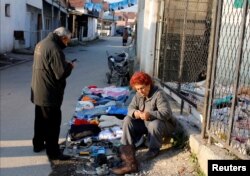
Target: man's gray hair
[62, 31]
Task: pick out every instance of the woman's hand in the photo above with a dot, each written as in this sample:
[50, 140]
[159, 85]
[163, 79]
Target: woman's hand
[145, 116]
[142, 115]
[137, 114]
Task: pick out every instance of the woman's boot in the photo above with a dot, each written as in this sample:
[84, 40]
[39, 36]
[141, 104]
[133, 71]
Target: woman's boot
[130, 164]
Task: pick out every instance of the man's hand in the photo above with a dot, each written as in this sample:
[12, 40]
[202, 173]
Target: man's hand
[72, 64]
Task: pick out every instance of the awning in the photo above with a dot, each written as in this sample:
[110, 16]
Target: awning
[55, 4]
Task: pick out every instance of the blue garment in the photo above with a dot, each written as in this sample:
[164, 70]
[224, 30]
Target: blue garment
[121, 98]
[88, 114]
[224, 100]
[117, 110]
[103, 101]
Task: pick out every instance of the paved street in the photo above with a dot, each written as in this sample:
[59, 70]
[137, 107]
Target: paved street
[17, 112]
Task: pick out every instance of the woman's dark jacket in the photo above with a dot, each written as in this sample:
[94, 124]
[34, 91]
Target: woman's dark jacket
[50, 71]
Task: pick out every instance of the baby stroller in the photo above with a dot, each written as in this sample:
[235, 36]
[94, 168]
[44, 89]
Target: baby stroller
[118, 69]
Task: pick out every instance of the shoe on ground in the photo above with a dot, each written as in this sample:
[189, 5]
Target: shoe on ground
[38, 149]
[59, 157]
[150, 154]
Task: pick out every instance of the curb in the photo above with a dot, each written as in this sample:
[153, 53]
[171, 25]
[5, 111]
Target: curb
[200, 147]
[17, 63]
[205, 152]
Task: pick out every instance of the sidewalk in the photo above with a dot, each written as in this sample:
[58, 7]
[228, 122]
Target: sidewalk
[11, 59]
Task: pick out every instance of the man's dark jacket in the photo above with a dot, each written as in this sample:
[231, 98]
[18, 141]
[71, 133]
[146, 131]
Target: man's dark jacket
[50, 71]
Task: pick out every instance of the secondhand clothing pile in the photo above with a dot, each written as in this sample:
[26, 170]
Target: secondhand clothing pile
[94, 108]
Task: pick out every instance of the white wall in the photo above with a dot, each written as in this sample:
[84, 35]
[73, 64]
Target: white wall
[16, 21]
[7, 24]
[147, 34]
[92, 28]
[113, 29]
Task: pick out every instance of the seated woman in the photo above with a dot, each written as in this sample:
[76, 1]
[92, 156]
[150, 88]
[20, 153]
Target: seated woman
[148, 113]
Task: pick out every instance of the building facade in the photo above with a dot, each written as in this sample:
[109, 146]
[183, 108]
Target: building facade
[18, 19]
[24, 23]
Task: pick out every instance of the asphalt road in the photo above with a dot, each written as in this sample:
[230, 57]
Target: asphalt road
[17, 112]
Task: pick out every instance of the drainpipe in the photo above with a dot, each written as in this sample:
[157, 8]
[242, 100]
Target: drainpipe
[59, 14]
[158, 38]
[43, 24]
[52, 15]
[73, 24]
[67, 17]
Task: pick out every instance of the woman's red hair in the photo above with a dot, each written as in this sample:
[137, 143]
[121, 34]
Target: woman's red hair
[140, 78]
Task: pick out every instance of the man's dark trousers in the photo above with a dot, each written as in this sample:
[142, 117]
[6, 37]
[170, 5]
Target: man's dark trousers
[47, 129]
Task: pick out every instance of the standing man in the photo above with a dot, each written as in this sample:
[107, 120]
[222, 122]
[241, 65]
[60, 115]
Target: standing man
[50, 70]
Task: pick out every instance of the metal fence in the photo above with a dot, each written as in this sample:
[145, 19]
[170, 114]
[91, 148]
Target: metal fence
[183, 52]
[211, 37]
[228, 113]
[185, 40]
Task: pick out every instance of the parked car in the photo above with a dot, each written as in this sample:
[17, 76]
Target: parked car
[120, 30]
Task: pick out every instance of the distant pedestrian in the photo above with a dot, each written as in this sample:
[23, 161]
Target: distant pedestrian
[132, 37]
[50, 70]
[125, 36]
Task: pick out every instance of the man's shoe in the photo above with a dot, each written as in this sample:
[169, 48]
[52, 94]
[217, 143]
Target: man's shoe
[38, 149]
[150, 154]
[60, 157]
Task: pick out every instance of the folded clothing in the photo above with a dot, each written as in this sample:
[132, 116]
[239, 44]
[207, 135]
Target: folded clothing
[77, 121]
[117, 131]
[110, 133]
[80, 131]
